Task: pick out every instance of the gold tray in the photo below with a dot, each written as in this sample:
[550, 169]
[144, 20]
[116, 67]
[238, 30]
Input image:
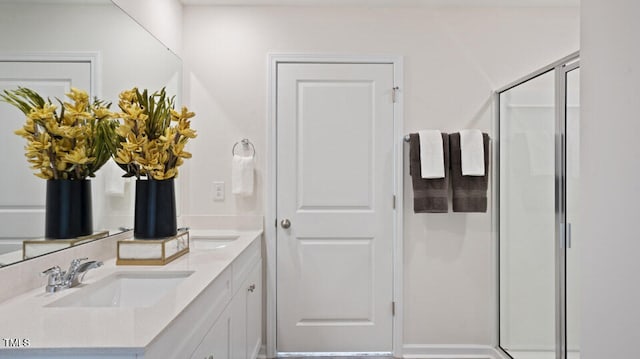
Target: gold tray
[35, 247]
[152, 251]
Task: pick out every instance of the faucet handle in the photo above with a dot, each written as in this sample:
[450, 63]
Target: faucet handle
[77, 261]
[55, 278]
[55, 270]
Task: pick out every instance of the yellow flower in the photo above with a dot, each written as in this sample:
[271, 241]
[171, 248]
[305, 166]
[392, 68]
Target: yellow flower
[123, 130]
[27, 130]
[102, 113]
[148, 138]
[133, 143]
[76, 110]
[45, 173]
[134, 112]
[79, 96]
[77, 157]
[129, 95]
[48, 112]
[123, 156]
[183, 115]
[65, 144]
[61, 165]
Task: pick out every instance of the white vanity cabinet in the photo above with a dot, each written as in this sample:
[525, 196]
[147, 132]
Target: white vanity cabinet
[215, 312]
[236, 334]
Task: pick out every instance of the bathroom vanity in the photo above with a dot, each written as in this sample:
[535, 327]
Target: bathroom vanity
[206, 304]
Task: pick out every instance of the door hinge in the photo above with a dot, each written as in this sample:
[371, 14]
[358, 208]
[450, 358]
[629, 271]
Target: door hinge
[394, 201]
[394, 94]
[393, 308]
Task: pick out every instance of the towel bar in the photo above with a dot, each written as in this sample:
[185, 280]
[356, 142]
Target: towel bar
[245, 145]
[406, 138]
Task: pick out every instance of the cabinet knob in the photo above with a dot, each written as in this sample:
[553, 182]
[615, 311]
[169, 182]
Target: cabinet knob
[252, 288]
[285, 223]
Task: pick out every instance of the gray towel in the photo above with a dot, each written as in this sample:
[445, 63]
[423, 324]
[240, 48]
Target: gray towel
[429, 195]
[469, 192]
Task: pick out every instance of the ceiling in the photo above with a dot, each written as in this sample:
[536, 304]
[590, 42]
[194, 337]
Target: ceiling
[386, 3]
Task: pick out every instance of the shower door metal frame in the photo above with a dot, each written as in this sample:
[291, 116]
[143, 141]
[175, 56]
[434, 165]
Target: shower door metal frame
[562, 226]
[560, 68]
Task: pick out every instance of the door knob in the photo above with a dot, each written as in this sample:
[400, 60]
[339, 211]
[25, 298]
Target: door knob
[285, 223]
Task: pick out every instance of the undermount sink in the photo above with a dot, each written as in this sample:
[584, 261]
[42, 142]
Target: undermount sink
[125, 290]
[213, 242]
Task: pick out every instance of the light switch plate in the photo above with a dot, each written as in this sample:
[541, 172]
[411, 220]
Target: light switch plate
[218, 191]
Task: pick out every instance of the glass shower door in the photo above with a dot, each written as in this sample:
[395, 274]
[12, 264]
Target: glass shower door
[538, 182]
[527, 191]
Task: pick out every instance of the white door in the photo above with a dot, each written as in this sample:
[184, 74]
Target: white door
[22, 195]
[335, 188]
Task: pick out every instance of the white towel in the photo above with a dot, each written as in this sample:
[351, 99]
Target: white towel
[114, 184]
[471, 153]
[431, 154]
[242, 175]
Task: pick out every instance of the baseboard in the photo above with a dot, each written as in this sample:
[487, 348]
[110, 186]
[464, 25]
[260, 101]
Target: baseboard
[426, 351]
[423, 351]
[500, 354]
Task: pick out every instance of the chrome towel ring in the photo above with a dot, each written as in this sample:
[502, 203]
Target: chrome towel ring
[246, 145]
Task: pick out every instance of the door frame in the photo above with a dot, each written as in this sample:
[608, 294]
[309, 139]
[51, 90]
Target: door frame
[271, 183]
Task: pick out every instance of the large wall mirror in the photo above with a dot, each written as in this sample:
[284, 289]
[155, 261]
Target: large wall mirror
[49, 46]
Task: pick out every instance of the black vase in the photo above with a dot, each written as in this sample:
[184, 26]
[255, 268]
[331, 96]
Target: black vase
[155, 213]
[68, 209]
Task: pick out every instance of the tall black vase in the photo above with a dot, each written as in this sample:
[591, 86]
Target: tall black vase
[68, 209]
[155, 214]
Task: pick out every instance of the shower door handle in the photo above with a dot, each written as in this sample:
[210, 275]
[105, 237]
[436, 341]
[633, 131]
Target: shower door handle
[565, 238]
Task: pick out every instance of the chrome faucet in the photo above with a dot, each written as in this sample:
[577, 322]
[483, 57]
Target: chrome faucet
[59, 279]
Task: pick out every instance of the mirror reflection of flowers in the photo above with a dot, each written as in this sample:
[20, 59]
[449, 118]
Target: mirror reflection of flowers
[153, 136]
[71, 142]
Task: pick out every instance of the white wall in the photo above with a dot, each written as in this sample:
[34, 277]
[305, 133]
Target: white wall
[454, 59]
[610, 192]
[162, 18]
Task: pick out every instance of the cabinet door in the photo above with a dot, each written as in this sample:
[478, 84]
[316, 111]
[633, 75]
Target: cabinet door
[238, 325]
[217, 343]
[254, 311]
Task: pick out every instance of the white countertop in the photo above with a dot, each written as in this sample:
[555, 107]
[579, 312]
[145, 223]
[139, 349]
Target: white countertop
[123, 330]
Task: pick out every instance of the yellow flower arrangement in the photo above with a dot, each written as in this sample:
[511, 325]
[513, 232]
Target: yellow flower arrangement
[72, 143]
[148, 144]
